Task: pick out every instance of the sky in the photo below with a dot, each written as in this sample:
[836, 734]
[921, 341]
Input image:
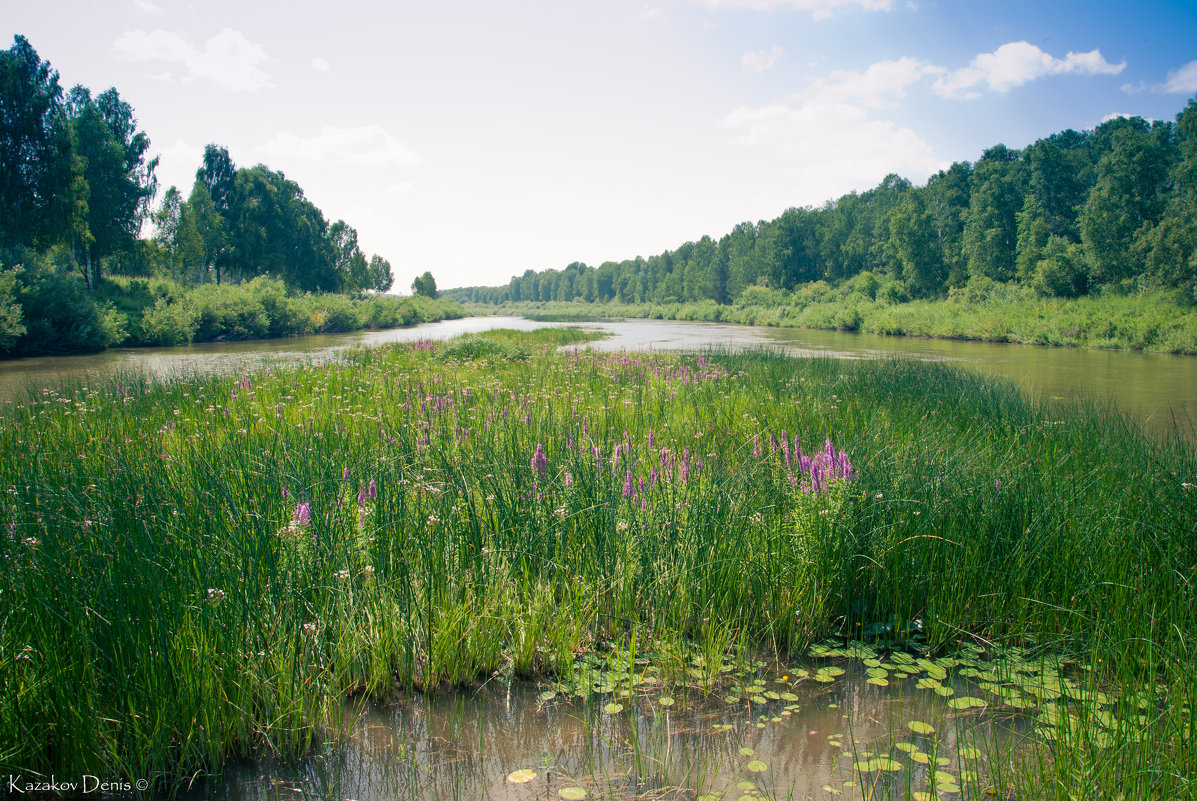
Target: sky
[479, 139]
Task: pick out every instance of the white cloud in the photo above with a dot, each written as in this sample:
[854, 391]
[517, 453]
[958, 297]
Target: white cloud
[1182, 80]
[1016, 63]
[819, 9]
[366, 146]
[1118, 115]
[825, 139]
[320, 65]
[760, 60]
[148, 6]
[228, 58]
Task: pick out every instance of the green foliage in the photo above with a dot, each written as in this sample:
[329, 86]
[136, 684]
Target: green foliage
[61, 316]
[11, 328]
[424, 286]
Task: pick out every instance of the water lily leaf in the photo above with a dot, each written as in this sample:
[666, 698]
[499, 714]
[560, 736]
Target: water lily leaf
[572, 793]
[966, 702]
[547, 695]
[521, 776]
[613, 708]
[878, 682]
[665, 700]
[756, 766]
[968, 753]
[745, 752]
[918, 727]
[789, 697]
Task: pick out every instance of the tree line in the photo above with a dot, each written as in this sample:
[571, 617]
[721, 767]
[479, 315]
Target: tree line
[1075, 213]
[77, 178]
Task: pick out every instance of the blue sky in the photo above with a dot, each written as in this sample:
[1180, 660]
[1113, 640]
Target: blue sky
[479, 139]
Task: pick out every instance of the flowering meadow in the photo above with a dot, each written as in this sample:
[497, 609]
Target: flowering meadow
[199, 569]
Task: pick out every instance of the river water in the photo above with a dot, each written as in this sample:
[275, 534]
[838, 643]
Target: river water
[1158, 390]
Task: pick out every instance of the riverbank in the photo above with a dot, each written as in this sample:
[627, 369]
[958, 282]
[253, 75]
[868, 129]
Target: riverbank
[208, 567]
[52, 313]
[1156, 322]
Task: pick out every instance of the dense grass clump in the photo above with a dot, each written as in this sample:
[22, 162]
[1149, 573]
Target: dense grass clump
[197, 569]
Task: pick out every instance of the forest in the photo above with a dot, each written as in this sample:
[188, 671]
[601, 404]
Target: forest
[77, 191]
[1108, 210]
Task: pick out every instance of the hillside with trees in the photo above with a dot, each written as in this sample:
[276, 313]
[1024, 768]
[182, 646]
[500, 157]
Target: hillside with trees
[77, 187]
[1111, 211]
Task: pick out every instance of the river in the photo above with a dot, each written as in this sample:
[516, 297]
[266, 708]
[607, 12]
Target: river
[1159, 390]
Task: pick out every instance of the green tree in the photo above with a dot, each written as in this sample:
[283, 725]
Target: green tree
[120, 177]
[991, 226]
[166, 228]
[381, 278]
[425, 285]
[30, 137]
[1128, 198]
[913, 245]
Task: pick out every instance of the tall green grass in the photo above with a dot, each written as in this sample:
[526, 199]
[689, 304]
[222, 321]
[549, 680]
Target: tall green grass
[198, 569]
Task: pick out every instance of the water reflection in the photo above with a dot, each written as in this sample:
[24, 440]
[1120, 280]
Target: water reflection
[467, 745]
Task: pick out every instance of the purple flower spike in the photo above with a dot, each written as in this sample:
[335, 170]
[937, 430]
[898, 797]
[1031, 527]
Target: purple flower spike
[627, 484]
[302, 515]
[371, 490]
[540, 462]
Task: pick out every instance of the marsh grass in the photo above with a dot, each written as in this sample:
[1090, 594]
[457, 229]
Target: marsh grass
[200, 569]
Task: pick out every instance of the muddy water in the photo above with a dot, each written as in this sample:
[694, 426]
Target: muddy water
[840, 739]
[1155, 389]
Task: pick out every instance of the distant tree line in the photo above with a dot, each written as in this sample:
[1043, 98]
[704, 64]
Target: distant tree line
[1072, 213]
[75, 174]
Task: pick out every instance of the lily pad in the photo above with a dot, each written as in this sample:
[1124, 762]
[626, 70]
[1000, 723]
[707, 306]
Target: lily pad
[572, 793]
[613, 708]
[665, 700]
[966, 702]
[756, 766]
[521, 776]
[918, 727]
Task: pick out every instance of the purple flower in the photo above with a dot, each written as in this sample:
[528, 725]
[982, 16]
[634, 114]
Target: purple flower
[371, 490]
[540, 462]
[627, 485]
[302, 515]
